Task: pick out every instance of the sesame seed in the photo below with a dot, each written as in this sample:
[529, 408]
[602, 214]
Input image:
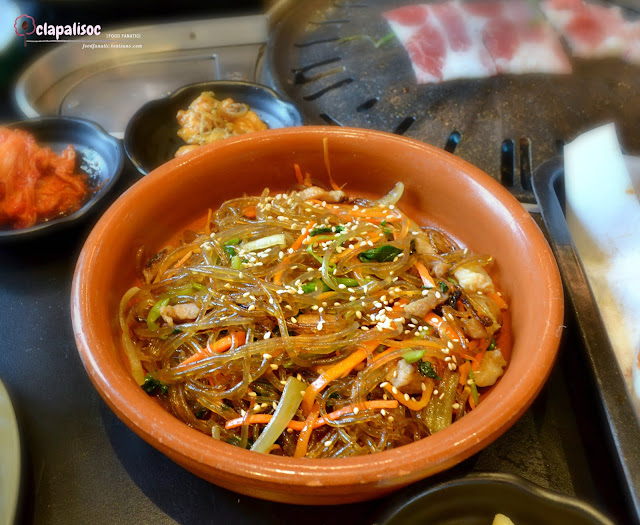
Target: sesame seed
[294, 320]
[423, 386]
[327, 443]
[450, 345]
[288, 307]
[365, 328]
[300, 291]
[298, 377]
[383, 412]
[455, 406]
[314, 307]
[267, 356]
[289, 431]
[435, 392]
[341, 286]
[385, 396]
[336, 303]
[438, 295]
[425, 292]
[390, 419]
[356, 410]
[264, 405]
[241, 275]
[359, 314]
[252, 394]
[319, 326]
[251, 308]
[227, 285]
[393, 388]
[406, 397]
[243, 413]
[283, 382]
[273, 366]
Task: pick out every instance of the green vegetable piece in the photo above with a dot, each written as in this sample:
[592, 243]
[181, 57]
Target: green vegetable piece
[287, 407]
[492, 345]
[230, 242]
[201, 413]
[426, 369]
[474, 388]
[308, 287]
[153, 386]
[384, 253]
[347, 281]
[413, 356]
[176, 331]
[236, 263]
[313, 254]
[231, 251]
[154, 313]
[452, 280]
[443, 287]
[326, 229]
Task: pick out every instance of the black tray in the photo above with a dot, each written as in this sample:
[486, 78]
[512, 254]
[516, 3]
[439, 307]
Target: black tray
[615, 400]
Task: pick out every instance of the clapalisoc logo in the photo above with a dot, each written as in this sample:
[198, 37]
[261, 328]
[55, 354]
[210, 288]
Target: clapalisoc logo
[25, 25]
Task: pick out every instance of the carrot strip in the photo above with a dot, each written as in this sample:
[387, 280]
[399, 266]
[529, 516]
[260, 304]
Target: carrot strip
[207, 228]
[382, 354]
[464, 372]
[305, 433]
[443, 327]
[298, 173]
[250, 212]
[298, 242]
[500, 302]
[234, 339]
[254, 419]
[399, 305]
[184, 259]
[410, 403]
[367, 405]
[427, 280]
[336, 371]
[480, 353]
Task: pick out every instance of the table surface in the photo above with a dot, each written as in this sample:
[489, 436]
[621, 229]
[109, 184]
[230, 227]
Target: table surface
[83, 465]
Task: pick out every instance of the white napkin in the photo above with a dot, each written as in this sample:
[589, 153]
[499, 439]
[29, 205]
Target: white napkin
[603, 214]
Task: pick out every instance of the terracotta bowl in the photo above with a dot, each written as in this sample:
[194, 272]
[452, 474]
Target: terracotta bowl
[440, 189]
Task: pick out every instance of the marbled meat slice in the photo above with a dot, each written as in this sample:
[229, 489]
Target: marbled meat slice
[440, 43]
[518, 38]
[591, 31]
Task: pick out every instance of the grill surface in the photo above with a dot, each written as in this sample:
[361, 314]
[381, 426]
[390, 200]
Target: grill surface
[322, 55]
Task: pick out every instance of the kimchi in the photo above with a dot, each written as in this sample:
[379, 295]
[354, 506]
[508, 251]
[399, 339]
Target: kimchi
[36, 184]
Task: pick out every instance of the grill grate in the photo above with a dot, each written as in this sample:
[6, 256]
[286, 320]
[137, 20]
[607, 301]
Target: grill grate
[323, 55]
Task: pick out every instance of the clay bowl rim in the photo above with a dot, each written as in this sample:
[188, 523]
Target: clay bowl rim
[384, 470]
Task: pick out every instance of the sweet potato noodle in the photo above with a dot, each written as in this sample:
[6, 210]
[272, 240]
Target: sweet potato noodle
[36, 184]
[314, 324]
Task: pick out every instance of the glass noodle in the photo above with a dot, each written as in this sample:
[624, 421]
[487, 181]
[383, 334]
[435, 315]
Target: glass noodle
[314, 324]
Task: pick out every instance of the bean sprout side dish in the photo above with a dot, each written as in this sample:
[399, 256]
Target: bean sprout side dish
[315, 324]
